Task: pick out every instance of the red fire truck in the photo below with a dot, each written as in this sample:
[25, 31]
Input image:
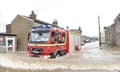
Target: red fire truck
[51, 41]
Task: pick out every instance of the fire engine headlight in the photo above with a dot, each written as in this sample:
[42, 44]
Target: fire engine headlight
[31, 49]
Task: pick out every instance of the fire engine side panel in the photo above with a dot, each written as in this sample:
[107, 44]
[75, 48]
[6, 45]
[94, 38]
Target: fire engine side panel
[78, 40]
[74, 40]
[71, 43]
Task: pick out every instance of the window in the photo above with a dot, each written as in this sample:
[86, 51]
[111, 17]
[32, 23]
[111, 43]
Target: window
[58, 37]
[39, 36]
[54, 36]
[63, 37]
[2, 40]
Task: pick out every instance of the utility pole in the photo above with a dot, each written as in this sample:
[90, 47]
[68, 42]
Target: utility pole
[99, 32]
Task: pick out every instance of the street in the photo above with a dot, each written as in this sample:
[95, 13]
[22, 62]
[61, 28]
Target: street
[90, 59]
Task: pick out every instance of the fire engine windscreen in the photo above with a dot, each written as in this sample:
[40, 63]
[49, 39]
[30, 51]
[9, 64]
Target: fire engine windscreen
[39, 36]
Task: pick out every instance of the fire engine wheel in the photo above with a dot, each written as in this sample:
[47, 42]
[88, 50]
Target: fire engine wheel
[62, 53]
[55, 54]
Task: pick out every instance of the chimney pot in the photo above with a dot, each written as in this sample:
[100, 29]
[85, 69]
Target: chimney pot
[55, 22]
[33, 15]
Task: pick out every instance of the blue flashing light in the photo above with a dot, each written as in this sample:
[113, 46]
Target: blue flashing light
[42, 26]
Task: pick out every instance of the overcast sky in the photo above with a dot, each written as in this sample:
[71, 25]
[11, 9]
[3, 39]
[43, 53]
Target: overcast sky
[72, 13]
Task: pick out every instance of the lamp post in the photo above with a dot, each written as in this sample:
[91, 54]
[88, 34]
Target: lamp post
[99, 32]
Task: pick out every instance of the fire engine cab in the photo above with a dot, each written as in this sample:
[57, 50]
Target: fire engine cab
[48, 40]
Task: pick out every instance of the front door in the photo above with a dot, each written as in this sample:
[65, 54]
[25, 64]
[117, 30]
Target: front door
[10, 44]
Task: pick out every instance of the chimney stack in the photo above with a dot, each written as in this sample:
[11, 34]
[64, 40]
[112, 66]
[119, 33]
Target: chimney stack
[33, 15]
[80, 29]
[67, 27]
[55, 22]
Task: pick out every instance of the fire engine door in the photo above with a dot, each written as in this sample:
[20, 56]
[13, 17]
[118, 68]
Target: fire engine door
[10, 44]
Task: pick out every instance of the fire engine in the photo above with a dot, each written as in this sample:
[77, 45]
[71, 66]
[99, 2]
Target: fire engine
[52, 41]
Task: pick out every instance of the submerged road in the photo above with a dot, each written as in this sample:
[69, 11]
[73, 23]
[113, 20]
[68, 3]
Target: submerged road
[90, 59]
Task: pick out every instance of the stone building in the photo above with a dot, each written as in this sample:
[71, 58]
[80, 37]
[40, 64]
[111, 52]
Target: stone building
[109, 35]
[112, 33]
[21, 26]
[7, 42]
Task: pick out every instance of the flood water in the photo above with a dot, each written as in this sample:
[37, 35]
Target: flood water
[90, 59]
[4, 69]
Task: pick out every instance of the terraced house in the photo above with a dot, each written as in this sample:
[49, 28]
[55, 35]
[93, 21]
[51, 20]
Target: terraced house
[112, 33]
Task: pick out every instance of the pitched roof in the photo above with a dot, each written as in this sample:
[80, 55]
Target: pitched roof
[38, 21]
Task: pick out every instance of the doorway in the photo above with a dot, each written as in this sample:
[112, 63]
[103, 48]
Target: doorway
[10, 44]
